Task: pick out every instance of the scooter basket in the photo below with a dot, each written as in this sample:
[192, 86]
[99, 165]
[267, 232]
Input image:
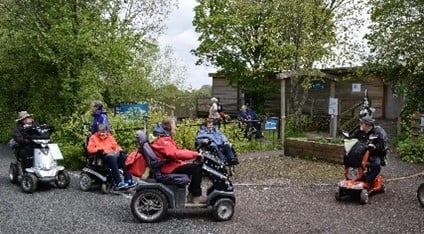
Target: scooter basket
[354, 157]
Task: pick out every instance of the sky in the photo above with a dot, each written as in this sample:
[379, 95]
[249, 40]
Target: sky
[180, 35]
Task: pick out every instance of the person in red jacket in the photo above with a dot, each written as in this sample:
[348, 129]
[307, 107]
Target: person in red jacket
[180, 160]
[102, 142]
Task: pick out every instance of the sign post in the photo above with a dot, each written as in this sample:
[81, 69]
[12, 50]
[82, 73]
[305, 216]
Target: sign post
[271, 124]
[333, 111]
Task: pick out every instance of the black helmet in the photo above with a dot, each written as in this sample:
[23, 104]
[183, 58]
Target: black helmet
[367, 119]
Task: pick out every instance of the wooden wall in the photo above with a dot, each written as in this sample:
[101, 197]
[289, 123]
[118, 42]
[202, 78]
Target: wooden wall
[317, 102]
[228, 95]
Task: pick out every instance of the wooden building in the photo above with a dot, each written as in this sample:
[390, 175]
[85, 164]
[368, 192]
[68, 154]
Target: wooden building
[347, 85]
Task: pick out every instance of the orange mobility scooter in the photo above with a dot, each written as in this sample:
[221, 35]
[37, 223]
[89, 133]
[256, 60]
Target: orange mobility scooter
[356, 164]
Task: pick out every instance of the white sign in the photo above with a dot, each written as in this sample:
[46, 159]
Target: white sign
[333, 106]
[356, 87]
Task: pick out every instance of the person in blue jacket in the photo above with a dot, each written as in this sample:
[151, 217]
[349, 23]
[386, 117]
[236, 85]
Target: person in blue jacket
[209, 134]
[252, 120]
[99, 116]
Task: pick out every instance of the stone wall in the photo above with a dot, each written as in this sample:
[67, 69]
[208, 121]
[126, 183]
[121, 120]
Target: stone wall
[304, 148]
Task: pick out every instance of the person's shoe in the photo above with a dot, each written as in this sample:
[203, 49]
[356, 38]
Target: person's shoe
[234, 162]
[121, 185]
[131, 183]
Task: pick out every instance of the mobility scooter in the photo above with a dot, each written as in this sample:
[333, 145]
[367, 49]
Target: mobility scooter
[44, 164]
[355, 161]
[161, 192]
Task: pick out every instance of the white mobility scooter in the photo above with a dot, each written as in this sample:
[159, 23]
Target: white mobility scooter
[44, 164]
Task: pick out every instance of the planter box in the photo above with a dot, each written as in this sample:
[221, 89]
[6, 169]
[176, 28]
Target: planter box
[304, 148]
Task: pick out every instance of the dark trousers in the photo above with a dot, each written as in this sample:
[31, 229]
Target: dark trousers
[373, 169]
[226, 152]
[25, 155]
[195, 171]
[114, 162]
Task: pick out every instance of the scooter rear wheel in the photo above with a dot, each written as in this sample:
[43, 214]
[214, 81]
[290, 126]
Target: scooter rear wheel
[420, 194]
[62, 179]
[223, 209]
[13, 173]
[149, 205]
[339, 194]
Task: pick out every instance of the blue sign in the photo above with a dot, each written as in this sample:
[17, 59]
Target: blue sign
[317, 84]
[132, 111]
[271, 123]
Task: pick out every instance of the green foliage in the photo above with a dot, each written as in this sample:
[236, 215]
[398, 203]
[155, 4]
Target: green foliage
[187, 131]
[56, 56]
[251, 40]
[71, 133]
[292, 130]
[411, 149]
[397, 49]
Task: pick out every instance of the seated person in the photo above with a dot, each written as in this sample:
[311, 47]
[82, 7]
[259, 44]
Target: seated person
[252, 120]
[102, 142]
[378, 146]
[180, 160]
[22, 135]
[209, 134]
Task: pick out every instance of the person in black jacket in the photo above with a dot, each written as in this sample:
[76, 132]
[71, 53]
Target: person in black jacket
[378, 146]
[23, 134]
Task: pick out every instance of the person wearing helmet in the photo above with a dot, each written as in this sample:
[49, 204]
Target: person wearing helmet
[377, 146]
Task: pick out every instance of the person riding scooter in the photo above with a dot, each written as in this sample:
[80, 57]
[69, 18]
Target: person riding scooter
[103, 143]
[378, 147]
[209, 134]
[180, 160]
[22, 134]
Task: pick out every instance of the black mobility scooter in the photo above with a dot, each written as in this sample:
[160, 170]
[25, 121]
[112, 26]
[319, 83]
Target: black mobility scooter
[161, 192]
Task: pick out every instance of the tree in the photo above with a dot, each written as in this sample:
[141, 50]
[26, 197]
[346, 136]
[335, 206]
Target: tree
[396, 39]
[57, 56]
[251, 40]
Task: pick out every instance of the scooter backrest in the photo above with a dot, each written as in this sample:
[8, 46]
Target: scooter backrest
[147, 151]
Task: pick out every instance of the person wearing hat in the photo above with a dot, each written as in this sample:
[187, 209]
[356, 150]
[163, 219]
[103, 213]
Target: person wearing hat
[378, 146]
[22, 135]
[99, 116]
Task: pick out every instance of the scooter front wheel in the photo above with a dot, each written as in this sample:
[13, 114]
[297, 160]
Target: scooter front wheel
[364, 197]
[85, 181]
[223, 209]
[420, 194]
[149, 205]
[29, 183]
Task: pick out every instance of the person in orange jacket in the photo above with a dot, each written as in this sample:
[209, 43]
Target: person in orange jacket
[102, 142]
[180, 160]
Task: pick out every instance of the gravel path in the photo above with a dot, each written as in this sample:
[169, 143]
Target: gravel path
[276, 205]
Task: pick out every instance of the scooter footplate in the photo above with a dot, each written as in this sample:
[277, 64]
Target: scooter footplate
[195, 205]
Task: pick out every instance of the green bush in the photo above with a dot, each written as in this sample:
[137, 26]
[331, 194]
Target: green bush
[292, 131]
[411, 149]
[71, 133]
